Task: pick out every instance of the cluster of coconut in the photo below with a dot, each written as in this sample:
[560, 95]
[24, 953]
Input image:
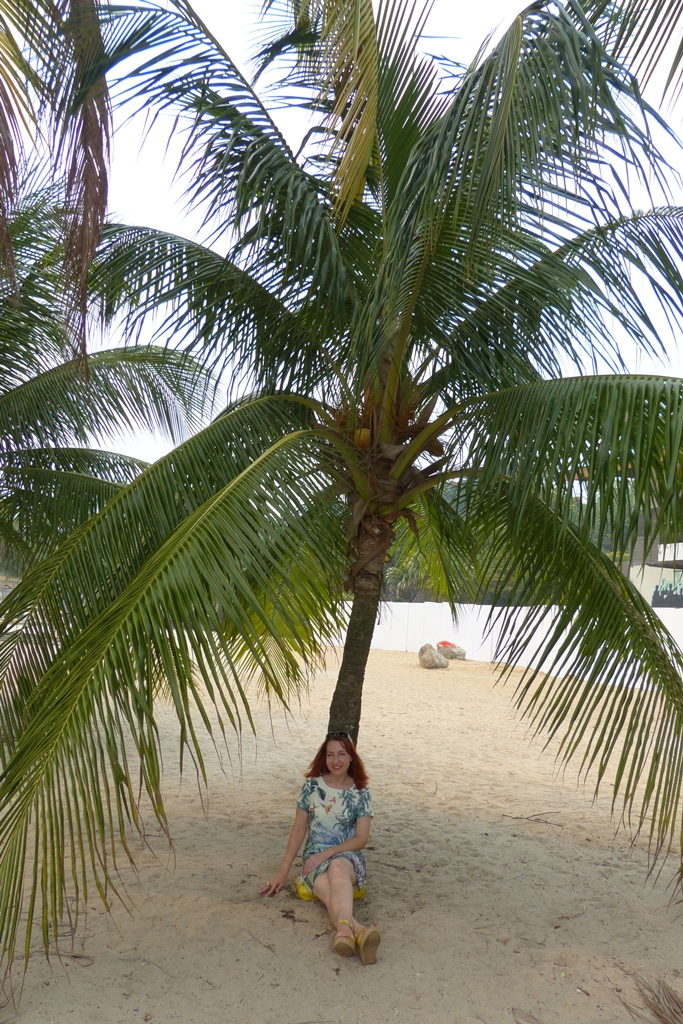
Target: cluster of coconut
[439, 656]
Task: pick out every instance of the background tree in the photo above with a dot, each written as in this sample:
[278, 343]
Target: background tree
[52, 405]
[54, 100]
[401, 299]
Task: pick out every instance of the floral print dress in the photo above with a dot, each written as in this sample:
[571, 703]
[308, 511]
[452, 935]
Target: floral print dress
[332, 815]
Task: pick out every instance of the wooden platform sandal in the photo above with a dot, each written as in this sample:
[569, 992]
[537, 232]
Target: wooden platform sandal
[367, 944]
[344, 945]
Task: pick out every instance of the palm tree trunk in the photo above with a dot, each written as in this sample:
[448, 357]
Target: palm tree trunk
[375, 539]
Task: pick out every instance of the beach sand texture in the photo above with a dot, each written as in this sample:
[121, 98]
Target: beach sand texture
[480, 910]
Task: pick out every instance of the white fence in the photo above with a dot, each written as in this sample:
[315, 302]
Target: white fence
[405, 627]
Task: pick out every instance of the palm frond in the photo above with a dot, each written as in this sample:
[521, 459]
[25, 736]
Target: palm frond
[408, 101]
[111, 466]
[523, 146]
[438, 550]
[229, 576]
[209, 305]
[44, 506]
[48, 492]
[240, 168]
[641, 33]
[16, 116]
[184, 479]
[549, 301]
[604, 675]
[33, 308]
[146, 386]
[349, 72]
[611, 444]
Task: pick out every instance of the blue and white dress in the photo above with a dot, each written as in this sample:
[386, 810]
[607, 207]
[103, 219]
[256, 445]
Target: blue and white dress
[332, 815]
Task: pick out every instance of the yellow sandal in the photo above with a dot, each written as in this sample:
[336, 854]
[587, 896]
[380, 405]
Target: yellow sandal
[367, 942]
[344, 945]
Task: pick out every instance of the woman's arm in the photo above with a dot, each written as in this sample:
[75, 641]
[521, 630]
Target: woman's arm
[296, 838]
[357, 842]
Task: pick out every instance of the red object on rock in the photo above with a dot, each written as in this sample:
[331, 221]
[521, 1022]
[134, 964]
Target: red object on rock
[445, 643]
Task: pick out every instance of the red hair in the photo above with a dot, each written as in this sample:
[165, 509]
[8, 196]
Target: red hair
[318, 765]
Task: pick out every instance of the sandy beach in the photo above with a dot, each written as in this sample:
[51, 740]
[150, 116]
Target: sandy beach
[480, 908]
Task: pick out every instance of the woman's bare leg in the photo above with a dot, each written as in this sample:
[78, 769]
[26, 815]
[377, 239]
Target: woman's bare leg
[334, 888]
[321, 889]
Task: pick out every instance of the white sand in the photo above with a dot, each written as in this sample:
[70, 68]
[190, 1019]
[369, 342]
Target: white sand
[479, 912]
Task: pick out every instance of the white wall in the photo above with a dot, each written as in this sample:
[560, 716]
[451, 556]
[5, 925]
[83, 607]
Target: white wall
[673, 620]
[405, 627]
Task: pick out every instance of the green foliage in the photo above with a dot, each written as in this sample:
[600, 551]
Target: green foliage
[54, 100]
[52, 403]
[641, 34]
[216, 564]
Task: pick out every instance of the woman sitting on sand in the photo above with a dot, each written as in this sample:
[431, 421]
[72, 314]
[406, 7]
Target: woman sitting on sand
[333, 813]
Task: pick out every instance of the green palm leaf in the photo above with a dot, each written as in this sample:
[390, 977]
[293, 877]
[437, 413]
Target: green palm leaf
[49, 403]
[210, 305]
[548, 301]
[604, 675]
[615, 441]
[238, 437]
[547, 469]
[640, 34]
[107, 466]
[47, 493]
[519, 147]
[240, 167]
[439, 552]
[234, 580]
[143, 386]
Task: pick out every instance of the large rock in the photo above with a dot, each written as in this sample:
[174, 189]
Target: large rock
[430, 657]
[451, 651]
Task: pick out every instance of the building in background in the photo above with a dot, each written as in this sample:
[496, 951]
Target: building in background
[658, 575]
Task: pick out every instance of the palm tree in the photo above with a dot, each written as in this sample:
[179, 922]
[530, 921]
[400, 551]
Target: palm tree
[50, 408]
[398, 310]
[53, 97]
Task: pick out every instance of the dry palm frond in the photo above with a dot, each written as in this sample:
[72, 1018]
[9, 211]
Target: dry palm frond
[662, 1004]
[349, 35]
[345, 70]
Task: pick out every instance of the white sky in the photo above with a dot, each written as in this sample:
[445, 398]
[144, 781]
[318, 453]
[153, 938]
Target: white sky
[143, 190]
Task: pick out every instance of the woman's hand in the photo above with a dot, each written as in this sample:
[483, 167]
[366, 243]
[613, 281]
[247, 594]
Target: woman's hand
[314, 861]
[275, 884]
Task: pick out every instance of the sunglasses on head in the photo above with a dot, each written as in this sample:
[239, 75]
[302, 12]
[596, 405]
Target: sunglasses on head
[337, 736]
